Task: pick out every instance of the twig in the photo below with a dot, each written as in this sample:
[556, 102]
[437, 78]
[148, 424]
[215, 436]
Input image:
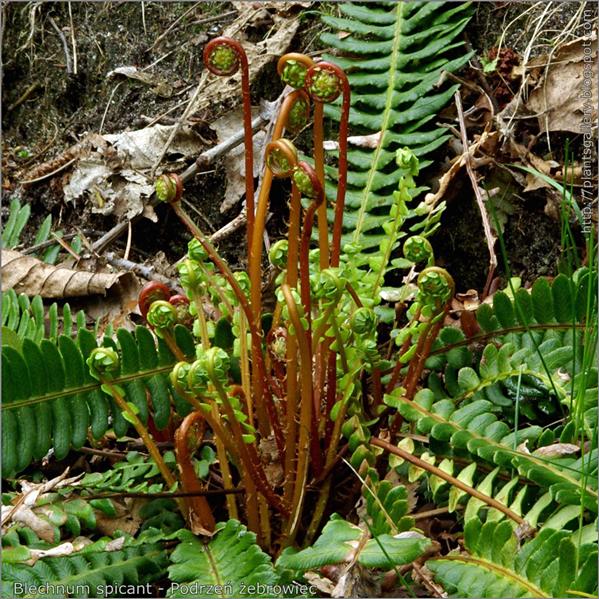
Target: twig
[24, 96]
[66, 246]
[147, 272]
[237, 490]
[128, 245]
[489, 237]
[172, 26]
[230, 227]
[222, 17]
[427, 581]
[50, 242]
[72, 27]
[143, 16]
[64, 45]
[207, 157]
[108, 106]
[186, 112]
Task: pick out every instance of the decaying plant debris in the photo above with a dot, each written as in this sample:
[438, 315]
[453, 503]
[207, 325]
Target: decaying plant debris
[299, 299]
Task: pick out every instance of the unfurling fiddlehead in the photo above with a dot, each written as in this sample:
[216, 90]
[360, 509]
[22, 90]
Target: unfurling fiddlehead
[224, 56]
[169, 188]
[436, 286]
[150, 293]
[325, 82]
[188, 438]
[418, 249]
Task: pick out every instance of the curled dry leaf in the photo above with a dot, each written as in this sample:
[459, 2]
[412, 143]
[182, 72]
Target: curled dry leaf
[159, 85]
[115, 177]
[58, 551]
[29, 275]
[431, 199]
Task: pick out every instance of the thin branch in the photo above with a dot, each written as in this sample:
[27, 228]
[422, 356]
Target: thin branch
[65, 45]
[208, 492]
[489, 237]
[147, 272]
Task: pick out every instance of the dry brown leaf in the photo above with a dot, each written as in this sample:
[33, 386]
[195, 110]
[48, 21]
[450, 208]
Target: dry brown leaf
[568, 84]
[28, 275]
[536, 162]
[127, 519]
[556, 450]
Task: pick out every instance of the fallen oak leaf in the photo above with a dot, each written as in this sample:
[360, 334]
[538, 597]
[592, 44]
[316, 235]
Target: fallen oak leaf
[31, 276]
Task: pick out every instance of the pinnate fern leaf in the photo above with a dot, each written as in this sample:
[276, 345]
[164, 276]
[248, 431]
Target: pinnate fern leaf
[343, 543]
[92, 572]
[51, 401]
[394, 56]
[497, 564]
[231, 559]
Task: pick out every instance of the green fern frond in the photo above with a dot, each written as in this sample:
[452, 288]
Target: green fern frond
[394, 56]
[533, 353]
[50, 398]
[58, 515]
[18, 216]
[496, 564]
[343, 543]
[18, 219]
[91, 572]
[231, 559]
[135, 474]
[25, 318]
[475, 429]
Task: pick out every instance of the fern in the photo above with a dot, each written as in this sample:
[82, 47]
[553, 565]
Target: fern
[95, 571]
[24, 318]
[394, 56]
[59, 515]
[51, 399]
[231, 559]
[135, 474]
[553, 564]
[342, 543]
[18, 218]
[479, 407]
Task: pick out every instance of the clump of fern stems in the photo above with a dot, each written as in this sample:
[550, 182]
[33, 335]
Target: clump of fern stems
[284, 391]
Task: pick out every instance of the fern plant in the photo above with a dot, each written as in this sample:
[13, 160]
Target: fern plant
[394, 56]
[27, 318]
[497, 563]
[95, 571]
[231, 560]
[51, 398]
[17, 221]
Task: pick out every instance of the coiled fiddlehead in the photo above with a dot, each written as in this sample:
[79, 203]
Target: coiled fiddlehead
[224, 56]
